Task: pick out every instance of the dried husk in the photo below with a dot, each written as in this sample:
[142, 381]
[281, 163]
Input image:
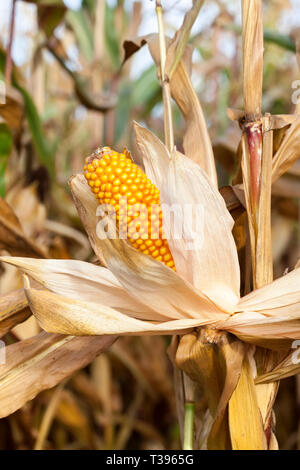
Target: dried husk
[186, 185]
[245, 420]
[213, 360]
[56, 313]
[151, 282]
[183, 183]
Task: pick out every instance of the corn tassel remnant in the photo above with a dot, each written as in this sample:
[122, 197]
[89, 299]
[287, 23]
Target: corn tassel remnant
[117, 181]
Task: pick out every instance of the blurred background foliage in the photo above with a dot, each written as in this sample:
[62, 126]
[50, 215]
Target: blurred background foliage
[68, 92]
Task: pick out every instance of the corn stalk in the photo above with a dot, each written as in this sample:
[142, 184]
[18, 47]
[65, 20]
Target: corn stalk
[257, 153]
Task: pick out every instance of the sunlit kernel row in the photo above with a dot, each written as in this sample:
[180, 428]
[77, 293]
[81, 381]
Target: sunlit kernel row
[117, 181]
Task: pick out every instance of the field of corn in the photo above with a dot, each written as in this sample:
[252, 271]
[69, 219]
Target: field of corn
[115, 334]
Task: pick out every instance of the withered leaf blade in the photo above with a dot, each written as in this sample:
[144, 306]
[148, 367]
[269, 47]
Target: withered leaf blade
[66, 277]
[13, 310]
[12, 238]
[178, 43]
[13, 108]
[41, 362]
[245, 421]
[288, 151]
[286, 368]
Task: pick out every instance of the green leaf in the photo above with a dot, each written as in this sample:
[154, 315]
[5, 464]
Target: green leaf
[111, 37]
[122, 111]
[49, 17]
[286, 42]
[79, 22]
[145, 88]
[6, 143]
[45, 150]
[50, 14]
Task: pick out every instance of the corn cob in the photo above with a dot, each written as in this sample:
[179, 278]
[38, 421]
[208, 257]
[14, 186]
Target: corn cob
[113, 176]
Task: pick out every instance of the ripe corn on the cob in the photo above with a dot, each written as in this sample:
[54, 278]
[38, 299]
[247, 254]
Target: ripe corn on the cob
[113, 177]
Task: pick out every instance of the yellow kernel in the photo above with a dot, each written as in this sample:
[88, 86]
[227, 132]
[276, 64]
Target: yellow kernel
[132, 200]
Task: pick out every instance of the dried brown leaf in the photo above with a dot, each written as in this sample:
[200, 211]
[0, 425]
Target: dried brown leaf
[286, 368]
[13, 310]
[12, 238]
[12, 109]
[41, 362]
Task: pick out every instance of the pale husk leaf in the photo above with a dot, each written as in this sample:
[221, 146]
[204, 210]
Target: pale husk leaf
[83, 281]
[155, 155]
[144, 278]
[207, 256]
[263, 330]
[58, 314]
[281, 293]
